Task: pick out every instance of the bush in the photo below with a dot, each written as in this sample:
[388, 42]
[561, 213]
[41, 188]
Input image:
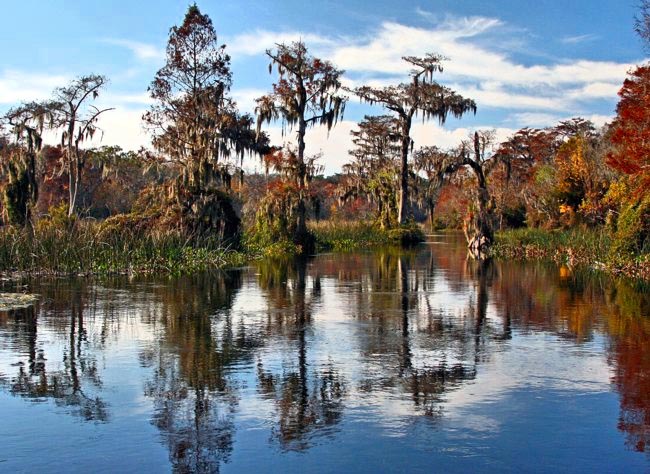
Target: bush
[632, 234]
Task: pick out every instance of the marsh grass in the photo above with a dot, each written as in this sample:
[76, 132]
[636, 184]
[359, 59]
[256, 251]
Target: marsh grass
[594, 248]
[89, 247]
[346, 236]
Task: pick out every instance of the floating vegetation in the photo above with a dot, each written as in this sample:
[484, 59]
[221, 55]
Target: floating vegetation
[9, 301]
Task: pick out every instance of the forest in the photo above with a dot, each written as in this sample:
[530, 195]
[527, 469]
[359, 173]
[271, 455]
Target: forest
[574, 192]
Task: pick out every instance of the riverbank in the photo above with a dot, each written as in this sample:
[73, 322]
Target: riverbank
[88, 247]
[586, 248]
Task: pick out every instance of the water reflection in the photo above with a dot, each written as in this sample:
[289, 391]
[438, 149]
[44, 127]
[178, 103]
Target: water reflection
[307, 399]
[75, 382]
[192, 396]
[304, 350]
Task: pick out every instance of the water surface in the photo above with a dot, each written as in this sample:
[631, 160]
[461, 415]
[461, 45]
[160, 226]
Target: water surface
[390, 361]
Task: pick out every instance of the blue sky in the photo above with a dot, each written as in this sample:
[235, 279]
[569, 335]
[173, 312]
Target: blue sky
[525, 63]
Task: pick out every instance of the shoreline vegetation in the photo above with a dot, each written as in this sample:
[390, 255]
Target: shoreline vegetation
[60, 246]
[591, 248]
[84, 247]
[581, 191]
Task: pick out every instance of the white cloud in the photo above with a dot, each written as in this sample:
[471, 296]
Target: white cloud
[245, 99]
[596, 90]
[128, 99]
[20, 86]
[140, 50]
[122, 127]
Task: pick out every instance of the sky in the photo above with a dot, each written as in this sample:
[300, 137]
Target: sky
[525, 63]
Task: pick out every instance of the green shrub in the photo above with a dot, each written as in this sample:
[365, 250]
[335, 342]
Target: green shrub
[632, 234]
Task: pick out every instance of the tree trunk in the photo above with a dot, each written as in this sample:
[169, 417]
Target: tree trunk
[71, 188]
[403, 211]
[302, 180]
[479, 229]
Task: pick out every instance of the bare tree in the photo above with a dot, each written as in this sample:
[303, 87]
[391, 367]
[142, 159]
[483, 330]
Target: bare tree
[76, 117]
[642, 23]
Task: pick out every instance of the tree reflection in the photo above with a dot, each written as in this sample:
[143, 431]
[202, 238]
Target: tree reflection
[193, 397]
[74, 384]
[307, 402]
[629, 330]
[414, 344]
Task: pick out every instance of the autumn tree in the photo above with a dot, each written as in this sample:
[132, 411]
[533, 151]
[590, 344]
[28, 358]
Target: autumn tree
[520, 178]
[421, 97]
[305, 95]
[195, 122]
[631, 132]
[373, 171]
[279, 210]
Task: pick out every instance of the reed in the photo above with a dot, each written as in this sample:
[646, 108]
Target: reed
[594, 248]
[89, 247]
[346, 235]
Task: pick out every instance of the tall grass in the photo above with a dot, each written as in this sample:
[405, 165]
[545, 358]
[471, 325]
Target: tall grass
[84, 247]
[345, 236]
[575, 247]
[581, 244]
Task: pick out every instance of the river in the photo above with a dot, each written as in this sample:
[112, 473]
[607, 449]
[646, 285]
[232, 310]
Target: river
[393, 360]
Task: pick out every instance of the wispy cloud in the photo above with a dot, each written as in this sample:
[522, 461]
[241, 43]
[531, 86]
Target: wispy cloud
[258, 41]
[579, 39]
[540, 120]
[141, 50]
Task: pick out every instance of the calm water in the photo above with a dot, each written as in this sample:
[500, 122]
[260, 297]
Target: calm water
[394, 361]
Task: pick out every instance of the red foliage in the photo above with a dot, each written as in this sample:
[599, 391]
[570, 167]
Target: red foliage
[631, 131]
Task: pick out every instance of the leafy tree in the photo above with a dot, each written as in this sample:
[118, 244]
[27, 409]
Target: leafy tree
[196, 125]
[422, 97]
[373, 172]
[305, 95]
[19, 159]
[192, 103]
[631, 132]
